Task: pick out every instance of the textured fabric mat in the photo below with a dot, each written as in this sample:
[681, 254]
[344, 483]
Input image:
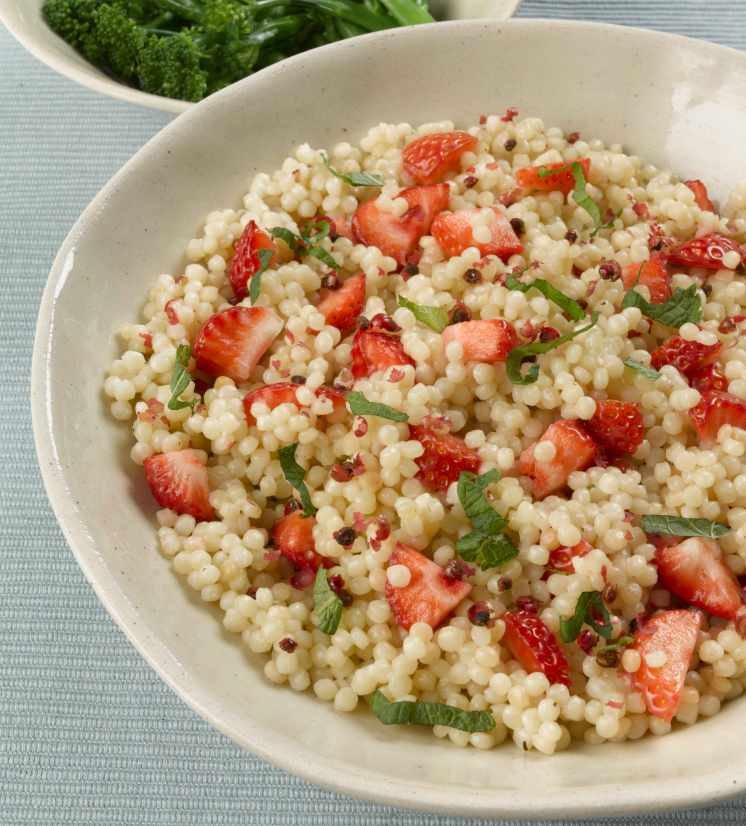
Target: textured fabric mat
[88, 733]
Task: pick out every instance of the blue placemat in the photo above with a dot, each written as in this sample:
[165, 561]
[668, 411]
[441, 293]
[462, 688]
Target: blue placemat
[88, 734]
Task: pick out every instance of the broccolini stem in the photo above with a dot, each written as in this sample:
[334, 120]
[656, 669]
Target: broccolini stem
[353, 13]
[408, 12]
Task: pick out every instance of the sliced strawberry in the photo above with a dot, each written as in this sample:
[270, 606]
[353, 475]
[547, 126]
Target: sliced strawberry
[231, 342]
[535, 646]
[374, 350]
[430, 596]
[454, 233]
[708, 379]
[574, 450]
[245, 261]
[701, 197]
[561, 559]
[686, 356]
[445, 456]
[706, 252]
[651, 274]
[342, 307]
[487, 341]
[284, 392]
[673, 633]
[430, 158]
[694, 570]
[340, 228]
[292, 535]
[714, 410]
[617, 426]
[559, 179]
[178, 480]
[399, 237]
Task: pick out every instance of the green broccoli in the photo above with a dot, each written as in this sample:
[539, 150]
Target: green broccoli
[170, 66]
[74, 22]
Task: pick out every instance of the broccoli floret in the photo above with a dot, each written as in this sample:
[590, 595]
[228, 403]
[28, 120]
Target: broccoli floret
[74, 22]
[120, 40]
[222, 36]
[171, 66]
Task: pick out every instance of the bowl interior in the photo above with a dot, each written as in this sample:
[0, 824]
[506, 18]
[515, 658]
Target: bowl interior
[678, 103]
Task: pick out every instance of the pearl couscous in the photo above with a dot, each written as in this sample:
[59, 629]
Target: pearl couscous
[456, 418]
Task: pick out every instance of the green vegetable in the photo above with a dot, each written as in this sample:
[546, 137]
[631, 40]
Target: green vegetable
[518, 355]
[564, 302]
[326, 604]
[643, 369]
[360, 406]
[355, 178]
[486, 551]
[296, 475]
[308, 242]
[682, 526]
[581, 197]
[589, 608]
[436, 318]
[255, 284]
[180, 378]
[429, 714]
[683, 306]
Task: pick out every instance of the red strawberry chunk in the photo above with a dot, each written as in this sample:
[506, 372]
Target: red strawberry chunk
[701, 197]
[560, 178]
[454, 233]
[342, 307]
[284, 392]
[561, 559]
[446, 456]
[430, 596]
[706, 252]
[487, 341]
[617, 426]
[399, 237]
[714, 410]
[574, 450]
[178, 480]
[674, 633]
[374, 350]
[245, 262]
[231, 342]
[535, 647]
[708, 379]
[293, 537]
[694, 570]
[430, 158]
[686, 356]
[651, 274]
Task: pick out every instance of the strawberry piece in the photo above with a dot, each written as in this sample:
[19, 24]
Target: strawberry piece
[178, 480]
[445, 455]
[399, 237]
[535, 646]
[714, 410]
[430, 158]
[342, 307]
[284, 392]
[694, 570]
[487, 341]
[454, 233]
[245, 262]
[574, 450]
[430, 596]
[559, 179]
[374, 350]
[708, 379]
[292, 535]
[651, 274]
[701, 197]
[706, 252]
[686, 356]
[617, 426]
[231, 342]
[561, 559]
[674, 633]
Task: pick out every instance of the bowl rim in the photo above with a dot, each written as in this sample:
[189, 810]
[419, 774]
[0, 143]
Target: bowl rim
[329, 773]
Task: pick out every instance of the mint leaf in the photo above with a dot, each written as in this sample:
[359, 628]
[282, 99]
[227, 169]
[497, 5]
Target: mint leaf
[326, 604]
[322, 255]
[436, 318]
[564, 302]
[308, 243]
[517, 355]
[607, 225]
[581, 197]
[255, 283]
[590, 610]
[485, 550]
[683, 306]
[355, 178]
[295, 474]
[682, 526]
[360, 406]
[429, 714]
[476, 506]
[643, 369]
[180, 378]
[621, 642]
[295, 242]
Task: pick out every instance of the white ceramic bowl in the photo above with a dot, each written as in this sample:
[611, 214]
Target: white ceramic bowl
[23, 19]
[677, 102]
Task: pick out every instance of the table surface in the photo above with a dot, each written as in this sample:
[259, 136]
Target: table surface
[88, 733]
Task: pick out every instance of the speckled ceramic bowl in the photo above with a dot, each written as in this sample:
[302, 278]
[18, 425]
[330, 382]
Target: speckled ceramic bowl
[677, 102]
